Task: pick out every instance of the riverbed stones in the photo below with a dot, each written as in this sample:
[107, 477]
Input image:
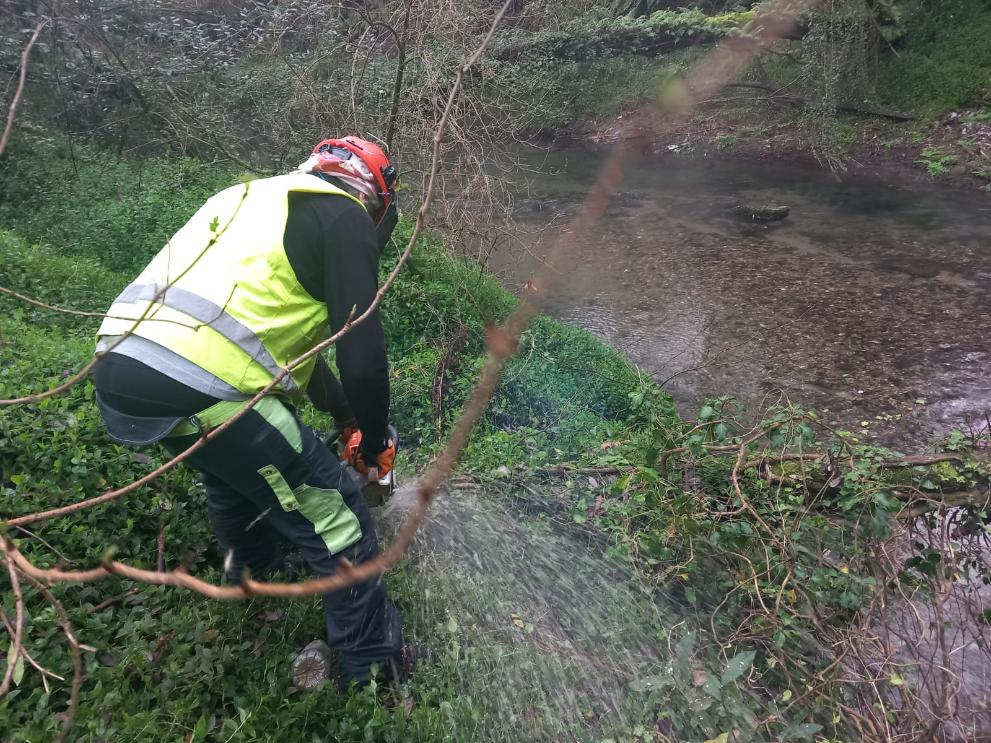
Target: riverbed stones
[762, 214]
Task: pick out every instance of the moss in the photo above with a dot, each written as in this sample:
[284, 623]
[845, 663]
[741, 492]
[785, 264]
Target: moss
[789, 469]
[947, 472]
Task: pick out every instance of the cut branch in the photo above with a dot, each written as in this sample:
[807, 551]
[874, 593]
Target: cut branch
[51, 307]
[920, 504]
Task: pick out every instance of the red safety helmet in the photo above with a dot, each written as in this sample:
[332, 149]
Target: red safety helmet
[360, 164]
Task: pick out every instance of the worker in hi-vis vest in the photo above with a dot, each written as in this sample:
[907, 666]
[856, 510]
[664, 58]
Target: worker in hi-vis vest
[263, 272]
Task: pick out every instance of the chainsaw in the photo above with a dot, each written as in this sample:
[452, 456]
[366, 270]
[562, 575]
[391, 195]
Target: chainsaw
[377, 490]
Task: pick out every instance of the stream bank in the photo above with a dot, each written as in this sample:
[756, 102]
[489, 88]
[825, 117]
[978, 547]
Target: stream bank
[953, 150]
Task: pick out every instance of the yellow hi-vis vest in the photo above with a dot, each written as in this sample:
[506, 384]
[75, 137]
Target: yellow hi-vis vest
[222, 293]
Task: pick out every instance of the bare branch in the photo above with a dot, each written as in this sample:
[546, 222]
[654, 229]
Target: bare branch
[15, 101]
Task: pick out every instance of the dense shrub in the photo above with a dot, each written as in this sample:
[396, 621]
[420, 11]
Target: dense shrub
[88, 204]
[944, 60]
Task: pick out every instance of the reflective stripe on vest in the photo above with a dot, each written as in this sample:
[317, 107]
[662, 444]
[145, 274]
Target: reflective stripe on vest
[208, 313]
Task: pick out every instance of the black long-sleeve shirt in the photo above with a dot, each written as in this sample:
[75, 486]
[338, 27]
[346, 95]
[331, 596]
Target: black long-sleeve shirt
[333, 249]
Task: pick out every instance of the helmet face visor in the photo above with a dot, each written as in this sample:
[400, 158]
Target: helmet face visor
[385, 224]
[339, 152]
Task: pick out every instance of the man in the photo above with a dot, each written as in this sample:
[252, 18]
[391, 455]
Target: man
[260, 274]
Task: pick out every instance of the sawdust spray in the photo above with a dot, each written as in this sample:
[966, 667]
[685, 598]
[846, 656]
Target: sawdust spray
[552, 634]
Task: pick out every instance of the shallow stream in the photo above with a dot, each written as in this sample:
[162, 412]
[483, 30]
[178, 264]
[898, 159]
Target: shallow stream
[869, 303]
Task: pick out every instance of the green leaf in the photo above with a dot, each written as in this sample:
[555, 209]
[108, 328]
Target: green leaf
[201, 728]
[721, 738]
[712, 687]
[737, 666]
[802, 732]
[652, 683]
[896, 680]
[18, 670]
[685, 647]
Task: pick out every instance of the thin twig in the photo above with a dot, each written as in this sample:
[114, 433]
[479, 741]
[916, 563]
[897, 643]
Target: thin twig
[25, 530]
[53, 308]
[113, 600]
[45, 673]
[160, 546]
[82, 373]
[15, 101]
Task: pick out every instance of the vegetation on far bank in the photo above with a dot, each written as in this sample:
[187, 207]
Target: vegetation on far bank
[929, 66]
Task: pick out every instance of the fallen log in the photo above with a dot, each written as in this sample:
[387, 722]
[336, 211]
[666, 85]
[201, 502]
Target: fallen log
[776, 96]
[925, 483]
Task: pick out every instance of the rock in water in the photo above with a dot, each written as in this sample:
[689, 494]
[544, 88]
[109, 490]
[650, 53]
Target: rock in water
[761, 213]
[314, 664]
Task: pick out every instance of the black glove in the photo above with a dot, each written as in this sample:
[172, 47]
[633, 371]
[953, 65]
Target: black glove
[371, 446]
[343, 429]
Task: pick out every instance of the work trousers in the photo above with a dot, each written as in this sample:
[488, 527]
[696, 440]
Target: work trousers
[270, 476]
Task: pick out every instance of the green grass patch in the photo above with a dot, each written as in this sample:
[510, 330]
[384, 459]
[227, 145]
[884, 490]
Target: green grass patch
[117, 212]
[937, 161]
[943, 63]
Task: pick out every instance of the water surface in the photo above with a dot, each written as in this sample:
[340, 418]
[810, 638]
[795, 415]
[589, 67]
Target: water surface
[869, 303]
